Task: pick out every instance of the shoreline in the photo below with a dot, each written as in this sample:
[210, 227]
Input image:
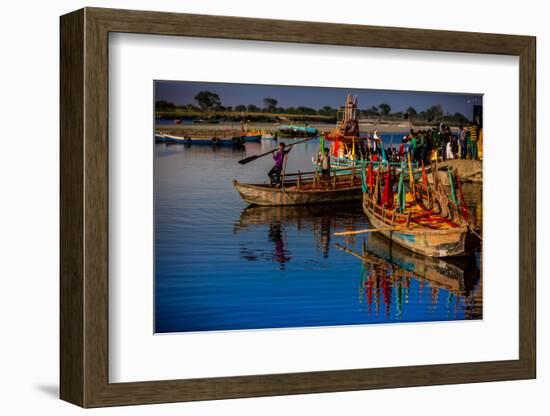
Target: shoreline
[398, 128]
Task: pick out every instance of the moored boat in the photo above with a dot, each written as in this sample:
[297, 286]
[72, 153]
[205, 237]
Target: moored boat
[418, 230]
[295, 130]
[206, 140]
[252, 136]
[424, 220]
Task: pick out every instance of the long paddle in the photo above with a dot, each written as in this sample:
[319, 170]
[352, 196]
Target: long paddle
[254, 157]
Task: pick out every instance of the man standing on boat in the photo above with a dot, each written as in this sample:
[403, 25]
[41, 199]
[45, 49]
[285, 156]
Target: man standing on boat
[275, 172]
[324, 162]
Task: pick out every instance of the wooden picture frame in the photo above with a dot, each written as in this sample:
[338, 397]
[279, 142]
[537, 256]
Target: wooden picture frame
[84, 207]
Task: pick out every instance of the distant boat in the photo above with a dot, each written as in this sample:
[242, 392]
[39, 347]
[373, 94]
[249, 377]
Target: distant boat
[201, 121]
[295, 130]
[268, 136]
[212, 141]
[160, 138]
[252, 136]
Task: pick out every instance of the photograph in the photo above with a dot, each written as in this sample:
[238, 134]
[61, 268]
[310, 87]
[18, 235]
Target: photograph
[279, 206]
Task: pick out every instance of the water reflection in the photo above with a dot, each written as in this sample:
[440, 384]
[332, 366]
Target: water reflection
[388, 271]
[319, 220]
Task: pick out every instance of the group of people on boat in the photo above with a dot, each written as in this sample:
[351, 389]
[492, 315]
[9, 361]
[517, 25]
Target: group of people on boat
[423, 145]
[441, 143]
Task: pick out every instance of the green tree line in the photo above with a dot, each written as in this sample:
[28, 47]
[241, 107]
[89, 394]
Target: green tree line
[208, 104]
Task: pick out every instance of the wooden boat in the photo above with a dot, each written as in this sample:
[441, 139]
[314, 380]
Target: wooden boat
[252, 136]
[214, 140]
[424, 220]
[202, 121]
[295, 130]
[418, 231]
[302, 189]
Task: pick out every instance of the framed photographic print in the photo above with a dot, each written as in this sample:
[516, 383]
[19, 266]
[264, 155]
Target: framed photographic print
[255, 207]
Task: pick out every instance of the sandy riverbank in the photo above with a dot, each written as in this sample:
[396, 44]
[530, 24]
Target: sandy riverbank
[400, 128]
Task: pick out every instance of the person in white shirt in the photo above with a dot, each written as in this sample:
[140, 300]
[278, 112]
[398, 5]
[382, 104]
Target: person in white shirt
[449, 152]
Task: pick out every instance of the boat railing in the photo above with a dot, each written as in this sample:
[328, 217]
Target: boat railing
[352, 178]
[386, 215]
[347, 162]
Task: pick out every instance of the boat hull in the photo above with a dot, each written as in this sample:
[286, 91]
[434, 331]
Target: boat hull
[253, 138]
[297, 131]
[432, 243]
[266, 196]
[215, 141]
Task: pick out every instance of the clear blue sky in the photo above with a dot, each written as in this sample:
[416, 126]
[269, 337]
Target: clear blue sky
[182, 92]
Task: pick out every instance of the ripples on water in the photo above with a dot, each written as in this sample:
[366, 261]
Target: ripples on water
[221, 265]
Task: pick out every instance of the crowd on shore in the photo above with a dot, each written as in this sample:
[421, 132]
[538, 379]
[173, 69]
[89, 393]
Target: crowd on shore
[426, 145]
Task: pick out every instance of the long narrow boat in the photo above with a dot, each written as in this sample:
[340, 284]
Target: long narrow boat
[295, 130]
[302, 189]
[214, 140]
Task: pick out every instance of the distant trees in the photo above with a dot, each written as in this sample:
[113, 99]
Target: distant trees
[328, 111]
[434, 113]
[384, 109]
[456, 118]
[208, 100]
[270, 104]
[163, 105]
[410, 111]
[372, 112]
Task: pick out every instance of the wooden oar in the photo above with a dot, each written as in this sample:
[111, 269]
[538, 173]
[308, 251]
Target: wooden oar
[254, 157]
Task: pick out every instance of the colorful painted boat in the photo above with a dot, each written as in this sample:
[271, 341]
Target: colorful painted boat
[418, 230]
[342, 188]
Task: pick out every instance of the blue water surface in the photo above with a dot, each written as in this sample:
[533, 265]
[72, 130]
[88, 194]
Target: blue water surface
[221, 265]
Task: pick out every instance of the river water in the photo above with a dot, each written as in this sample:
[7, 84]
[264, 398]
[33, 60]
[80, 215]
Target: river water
[222, 265]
